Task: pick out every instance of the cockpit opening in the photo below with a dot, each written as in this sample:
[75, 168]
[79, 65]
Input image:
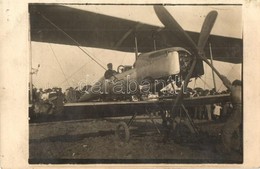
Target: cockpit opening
[123, 68]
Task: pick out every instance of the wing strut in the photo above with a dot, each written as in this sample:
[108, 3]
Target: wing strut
[136, 48]
[31, 73]
[211, 60]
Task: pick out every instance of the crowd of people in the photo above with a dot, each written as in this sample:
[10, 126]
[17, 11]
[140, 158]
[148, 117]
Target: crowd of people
[51, 100]
[71, 95]
[48, 101]
[55, 95]
[216, 111]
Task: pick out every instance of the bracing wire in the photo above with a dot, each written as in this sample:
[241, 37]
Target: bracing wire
[77, 43]
[74, 73]
[227, 75]
[221, 66]
[59, 65]
[205, 77]
[205, 83]
[122, 60]
[195, 80]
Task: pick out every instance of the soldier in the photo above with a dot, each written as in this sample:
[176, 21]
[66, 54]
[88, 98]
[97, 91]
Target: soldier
[235, 120]
[110, 72]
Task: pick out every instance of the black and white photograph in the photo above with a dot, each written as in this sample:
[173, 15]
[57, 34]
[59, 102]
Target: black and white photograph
[143, 84]
[135, 84]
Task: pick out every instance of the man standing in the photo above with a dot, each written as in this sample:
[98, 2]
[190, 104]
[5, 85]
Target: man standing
[235, 120]
[208, 107]
[110, 72]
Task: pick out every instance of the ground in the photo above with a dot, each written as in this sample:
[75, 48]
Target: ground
[94, 141]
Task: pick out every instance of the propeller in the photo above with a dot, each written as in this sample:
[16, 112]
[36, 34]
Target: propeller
[171, 24]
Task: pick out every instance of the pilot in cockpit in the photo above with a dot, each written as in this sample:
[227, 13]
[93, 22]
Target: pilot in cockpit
[110, 72]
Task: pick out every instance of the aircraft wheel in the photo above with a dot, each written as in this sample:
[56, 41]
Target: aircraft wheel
[122, 132]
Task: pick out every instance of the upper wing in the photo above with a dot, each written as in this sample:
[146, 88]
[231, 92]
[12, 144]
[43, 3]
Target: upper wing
[97, 30]
[225, 49]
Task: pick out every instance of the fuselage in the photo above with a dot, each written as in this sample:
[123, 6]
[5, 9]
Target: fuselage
[149, 67]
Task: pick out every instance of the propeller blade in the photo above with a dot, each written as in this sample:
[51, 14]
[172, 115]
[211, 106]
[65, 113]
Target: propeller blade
[206, 29]
[170, 23]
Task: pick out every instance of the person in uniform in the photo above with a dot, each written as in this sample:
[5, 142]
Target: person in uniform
[110, 72]
[235, 120]
[208, 107]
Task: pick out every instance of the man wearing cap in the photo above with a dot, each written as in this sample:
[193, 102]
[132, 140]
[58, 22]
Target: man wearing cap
[235, 120]
[110, 72]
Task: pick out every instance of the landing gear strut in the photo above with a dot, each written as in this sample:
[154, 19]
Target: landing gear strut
[122, 129]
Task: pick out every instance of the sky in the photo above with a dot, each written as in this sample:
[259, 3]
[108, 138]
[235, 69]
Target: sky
[58, 61]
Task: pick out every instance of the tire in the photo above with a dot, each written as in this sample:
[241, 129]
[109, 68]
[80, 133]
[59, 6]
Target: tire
[122, 132]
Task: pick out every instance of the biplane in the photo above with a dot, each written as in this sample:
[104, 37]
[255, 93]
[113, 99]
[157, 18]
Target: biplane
[167, 53]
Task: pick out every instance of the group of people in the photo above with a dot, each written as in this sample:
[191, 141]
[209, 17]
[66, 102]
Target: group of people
[47, 101]
[216, 111]
[71, 95]
[47, 94]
